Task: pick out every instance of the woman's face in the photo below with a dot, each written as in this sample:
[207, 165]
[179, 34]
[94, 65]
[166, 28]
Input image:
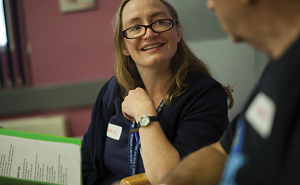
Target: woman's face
[152, 49]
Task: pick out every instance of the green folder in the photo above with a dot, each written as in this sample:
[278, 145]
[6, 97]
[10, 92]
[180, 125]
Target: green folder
[43, 137]
[15, 181]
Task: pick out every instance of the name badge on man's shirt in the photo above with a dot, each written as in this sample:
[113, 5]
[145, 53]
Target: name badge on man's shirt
[114, 131]
[260, 114]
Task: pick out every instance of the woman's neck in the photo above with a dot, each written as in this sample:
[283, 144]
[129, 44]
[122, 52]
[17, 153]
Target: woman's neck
[156, 85]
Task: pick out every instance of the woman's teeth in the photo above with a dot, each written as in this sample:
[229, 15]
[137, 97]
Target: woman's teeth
[151, 47]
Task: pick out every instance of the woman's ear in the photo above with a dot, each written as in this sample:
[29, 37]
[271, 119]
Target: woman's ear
[178, 33]
[124, 49]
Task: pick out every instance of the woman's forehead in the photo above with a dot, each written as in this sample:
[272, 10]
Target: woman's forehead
[136, 10]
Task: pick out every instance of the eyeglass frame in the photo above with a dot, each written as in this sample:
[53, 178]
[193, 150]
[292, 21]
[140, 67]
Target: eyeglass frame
[174, 22]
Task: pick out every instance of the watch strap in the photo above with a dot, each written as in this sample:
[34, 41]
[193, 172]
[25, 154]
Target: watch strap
[151, 118]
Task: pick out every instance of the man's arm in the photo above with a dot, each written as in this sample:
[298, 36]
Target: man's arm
[205, 166]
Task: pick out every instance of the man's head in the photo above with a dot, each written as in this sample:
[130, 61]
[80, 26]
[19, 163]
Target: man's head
[268, 25]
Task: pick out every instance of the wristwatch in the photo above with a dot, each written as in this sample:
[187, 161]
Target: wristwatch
[146, 120]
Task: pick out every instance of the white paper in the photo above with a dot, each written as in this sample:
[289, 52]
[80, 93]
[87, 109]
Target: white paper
[38, 160]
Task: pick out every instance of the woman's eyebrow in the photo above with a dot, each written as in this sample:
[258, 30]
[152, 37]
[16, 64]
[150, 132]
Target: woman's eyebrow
[158, 14]
[130, 21]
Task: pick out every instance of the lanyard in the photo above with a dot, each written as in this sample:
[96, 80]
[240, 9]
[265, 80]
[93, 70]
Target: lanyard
[133, 150]
[238, 141]
[236, 158]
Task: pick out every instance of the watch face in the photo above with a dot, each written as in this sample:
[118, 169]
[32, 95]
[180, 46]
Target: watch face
[144, 121]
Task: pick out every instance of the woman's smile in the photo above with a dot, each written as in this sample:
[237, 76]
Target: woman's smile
[151, 46]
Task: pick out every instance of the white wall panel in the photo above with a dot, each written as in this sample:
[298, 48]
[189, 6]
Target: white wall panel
[198, 22]
[232, 64]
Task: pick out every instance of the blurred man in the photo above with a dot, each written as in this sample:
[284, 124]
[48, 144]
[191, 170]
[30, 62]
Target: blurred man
[262, 146]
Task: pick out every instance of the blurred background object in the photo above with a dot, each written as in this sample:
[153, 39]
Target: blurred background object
[50, 125]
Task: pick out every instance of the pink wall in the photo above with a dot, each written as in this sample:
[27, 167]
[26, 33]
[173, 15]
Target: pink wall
[70, 47]
[67, 48]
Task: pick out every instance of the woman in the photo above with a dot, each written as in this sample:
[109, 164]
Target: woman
[171, 104]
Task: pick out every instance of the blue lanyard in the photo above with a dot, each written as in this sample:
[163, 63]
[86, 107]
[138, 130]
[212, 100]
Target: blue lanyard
[133, 151]
[236, 158]
[238, 141]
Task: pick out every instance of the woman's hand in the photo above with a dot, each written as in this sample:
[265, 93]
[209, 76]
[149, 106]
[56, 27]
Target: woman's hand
[137, 104]
[159, 156]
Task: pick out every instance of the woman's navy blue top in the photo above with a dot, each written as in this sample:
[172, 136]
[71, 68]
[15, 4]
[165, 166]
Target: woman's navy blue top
[196, 118]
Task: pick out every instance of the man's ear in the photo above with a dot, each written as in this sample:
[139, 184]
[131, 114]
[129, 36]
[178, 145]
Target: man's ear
[249, 1]
[124, 49]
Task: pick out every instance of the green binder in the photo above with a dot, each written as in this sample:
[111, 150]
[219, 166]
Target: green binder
[15, 181]
[4, 180]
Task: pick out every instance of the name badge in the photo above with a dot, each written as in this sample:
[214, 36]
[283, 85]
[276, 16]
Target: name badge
[260, 114]
[114, 131]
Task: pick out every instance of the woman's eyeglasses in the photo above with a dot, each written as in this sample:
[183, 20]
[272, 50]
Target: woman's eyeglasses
[159, 26]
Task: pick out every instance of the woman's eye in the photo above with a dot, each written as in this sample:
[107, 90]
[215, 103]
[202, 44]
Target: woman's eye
[135, 28]
[160, 22]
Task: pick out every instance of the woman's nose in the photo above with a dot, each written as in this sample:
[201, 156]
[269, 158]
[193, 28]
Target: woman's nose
[150, 32]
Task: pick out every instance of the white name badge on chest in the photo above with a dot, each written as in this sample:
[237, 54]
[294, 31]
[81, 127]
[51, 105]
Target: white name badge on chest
[114, 131]
[260, 114]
